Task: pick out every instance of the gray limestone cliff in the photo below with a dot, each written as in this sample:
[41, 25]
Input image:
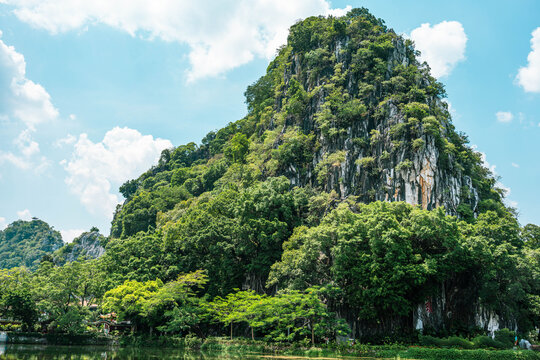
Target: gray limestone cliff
[89, 245]
[387, 137]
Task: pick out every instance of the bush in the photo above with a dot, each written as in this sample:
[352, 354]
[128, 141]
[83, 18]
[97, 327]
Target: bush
[455, 354]
[484, 342]
[427, 340]
[479, 342]
[506, 337]
[457, 341]
[418, 144]
[192, 342]
[366, 162]
[404, 165]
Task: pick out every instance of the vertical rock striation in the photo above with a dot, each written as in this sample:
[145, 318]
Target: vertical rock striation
[384, 137]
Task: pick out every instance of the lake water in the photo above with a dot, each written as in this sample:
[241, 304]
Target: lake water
[35, 352]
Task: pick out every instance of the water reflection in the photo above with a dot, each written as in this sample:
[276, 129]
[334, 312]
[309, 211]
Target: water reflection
[35, 352]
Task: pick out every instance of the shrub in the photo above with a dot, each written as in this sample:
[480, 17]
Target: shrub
[484, 342]
[427, 340]
[457, 341]
[366, 162]
[404, 165]
[431, 125]
[418, 144]
[398, 130]
[505, 337]
[375, 137]
[456, 354]
[192, 342]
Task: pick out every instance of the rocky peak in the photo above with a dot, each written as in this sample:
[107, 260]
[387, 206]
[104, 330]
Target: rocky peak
[90, 245]
[370, 117]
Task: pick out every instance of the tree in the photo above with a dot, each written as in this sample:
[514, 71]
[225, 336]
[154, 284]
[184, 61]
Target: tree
[237, 148]
[531, 236]
[129, 188]
[176, 307]
[21, 306]
[16, 299]
[63, 293]
[129, 299]
[291, 315]
[248, 308]
[385, 257]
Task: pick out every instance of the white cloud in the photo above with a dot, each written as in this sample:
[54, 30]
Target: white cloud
[506, 189]
[95, 168]
[504, 116]
[221, 35]
[69, 235]
[29, 154]
[24, 215]
[498, 184]
[68, 140]
[26, 144]
[15, 160]
[529, 76]
[515, 165]
[22, 99]
[339, 12]
[3, 223]
[442, 45]
[485, 162]
[72, 116]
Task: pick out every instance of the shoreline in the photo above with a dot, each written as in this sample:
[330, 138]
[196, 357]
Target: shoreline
[268, 350]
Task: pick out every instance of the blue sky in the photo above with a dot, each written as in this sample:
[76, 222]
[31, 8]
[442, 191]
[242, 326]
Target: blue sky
[90, 92]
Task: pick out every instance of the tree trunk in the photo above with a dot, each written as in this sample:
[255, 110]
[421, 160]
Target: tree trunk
[312, 334]
[252, 337]
[231, 330]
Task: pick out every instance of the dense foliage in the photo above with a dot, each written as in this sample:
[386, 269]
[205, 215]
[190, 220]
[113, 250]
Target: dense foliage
[24, 243]
[265, 205]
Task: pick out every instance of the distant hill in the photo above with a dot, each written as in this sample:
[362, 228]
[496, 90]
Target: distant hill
[24, 243]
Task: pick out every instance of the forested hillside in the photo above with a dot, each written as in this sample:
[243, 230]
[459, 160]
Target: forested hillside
[24, 243]
[345, 191]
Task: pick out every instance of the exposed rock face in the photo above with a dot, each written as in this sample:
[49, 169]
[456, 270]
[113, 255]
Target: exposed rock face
[90, 245]
[449, 305]
[370, 159]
